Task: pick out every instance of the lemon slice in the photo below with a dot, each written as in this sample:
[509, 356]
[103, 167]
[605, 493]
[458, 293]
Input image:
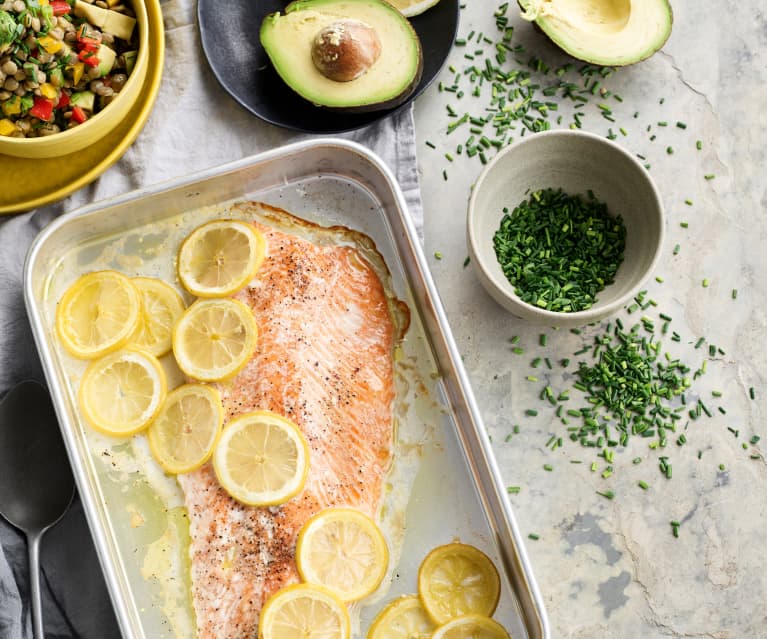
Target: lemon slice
[214, 339]
[161, 306]
[344, 550]
[97, 314]
[304, 611]
[183, 435]
[218, 258]
[471, 627]
[458, 579]
[410, 8]
[262, 459]
[122, 392]
[403, 618]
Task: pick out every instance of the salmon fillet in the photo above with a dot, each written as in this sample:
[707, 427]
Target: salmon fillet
[327, 330]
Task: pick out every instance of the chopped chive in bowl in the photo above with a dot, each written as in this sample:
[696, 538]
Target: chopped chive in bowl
[559, 250]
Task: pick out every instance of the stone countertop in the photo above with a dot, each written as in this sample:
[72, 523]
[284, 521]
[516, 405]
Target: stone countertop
[613, 567]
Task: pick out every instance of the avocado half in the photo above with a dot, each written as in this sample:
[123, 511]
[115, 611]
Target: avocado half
[603, 32]
[289, 38]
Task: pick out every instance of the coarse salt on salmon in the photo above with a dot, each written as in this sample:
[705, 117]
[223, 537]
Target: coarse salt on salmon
[327, 332]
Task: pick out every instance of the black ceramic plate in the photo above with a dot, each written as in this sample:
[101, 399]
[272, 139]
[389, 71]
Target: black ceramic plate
[229, 32]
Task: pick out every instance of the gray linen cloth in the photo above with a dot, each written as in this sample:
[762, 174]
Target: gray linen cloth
[194, 125]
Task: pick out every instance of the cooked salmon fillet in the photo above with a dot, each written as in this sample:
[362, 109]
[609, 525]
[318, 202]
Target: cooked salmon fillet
[327, 331]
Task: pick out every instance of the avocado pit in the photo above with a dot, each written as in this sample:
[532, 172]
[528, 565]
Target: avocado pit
[344, 50]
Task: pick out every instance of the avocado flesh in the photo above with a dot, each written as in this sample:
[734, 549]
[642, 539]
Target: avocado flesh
[287, 40]
[603, 32]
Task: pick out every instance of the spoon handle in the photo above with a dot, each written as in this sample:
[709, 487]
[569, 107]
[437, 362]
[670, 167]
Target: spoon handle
[33, 545]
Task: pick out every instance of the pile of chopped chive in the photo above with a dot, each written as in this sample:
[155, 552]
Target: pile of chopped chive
[630, 387]
[558, 250]
[512, 93]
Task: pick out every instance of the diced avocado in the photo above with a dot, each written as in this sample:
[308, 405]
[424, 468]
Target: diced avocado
[66, 53]
[8, 29]
[107, 59]
[119, 25]
[93, 14]
[114, 22]
[83, 99]
[56, 77]
[130, 61]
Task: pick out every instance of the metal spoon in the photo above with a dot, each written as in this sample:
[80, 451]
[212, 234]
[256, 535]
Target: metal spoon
[37, 486]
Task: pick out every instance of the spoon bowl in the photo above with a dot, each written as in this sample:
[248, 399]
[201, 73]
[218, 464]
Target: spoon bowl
[38, 485]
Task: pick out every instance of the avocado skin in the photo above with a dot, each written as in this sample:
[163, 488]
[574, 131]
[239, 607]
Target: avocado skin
[382, 105]
[652, 50]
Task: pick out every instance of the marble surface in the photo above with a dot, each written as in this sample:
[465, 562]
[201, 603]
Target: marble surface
[612, 568]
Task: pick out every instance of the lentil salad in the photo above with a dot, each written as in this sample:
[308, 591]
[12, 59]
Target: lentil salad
[61, 62]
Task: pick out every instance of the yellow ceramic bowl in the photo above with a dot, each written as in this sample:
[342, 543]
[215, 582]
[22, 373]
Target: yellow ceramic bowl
[99, 125]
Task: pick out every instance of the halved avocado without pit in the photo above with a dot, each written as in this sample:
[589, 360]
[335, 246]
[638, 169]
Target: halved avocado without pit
[347, 55]
[603, 32]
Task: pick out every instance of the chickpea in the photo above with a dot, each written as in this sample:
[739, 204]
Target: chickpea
[99, 88]
[118, 81]
[19, 6]
[57, 33]
[36, 25]
[20, 75]
[48, 129]
[4, 95]
[9, 67]
[11, 84]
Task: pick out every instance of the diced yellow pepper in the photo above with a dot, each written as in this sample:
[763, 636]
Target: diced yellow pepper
[12, 106]
[7, 127]
[51, 45]
[44, 2]
[76, 70]
[49, 91]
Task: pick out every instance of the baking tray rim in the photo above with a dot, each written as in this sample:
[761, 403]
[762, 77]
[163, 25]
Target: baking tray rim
[184, 181]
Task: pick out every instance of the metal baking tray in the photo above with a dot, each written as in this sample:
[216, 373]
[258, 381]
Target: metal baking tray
[135, 517]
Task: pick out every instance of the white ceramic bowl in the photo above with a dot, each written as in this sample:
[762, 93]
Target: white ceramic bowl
[574, 161]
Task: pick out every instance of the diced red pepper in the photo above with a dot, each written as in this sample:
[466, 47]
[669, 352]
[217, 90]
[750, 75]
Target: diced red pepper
[63, 100]
[78, 115]
[88, 45]
[89, 58]
[86, 39]
[60, 7]
[42, 109]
